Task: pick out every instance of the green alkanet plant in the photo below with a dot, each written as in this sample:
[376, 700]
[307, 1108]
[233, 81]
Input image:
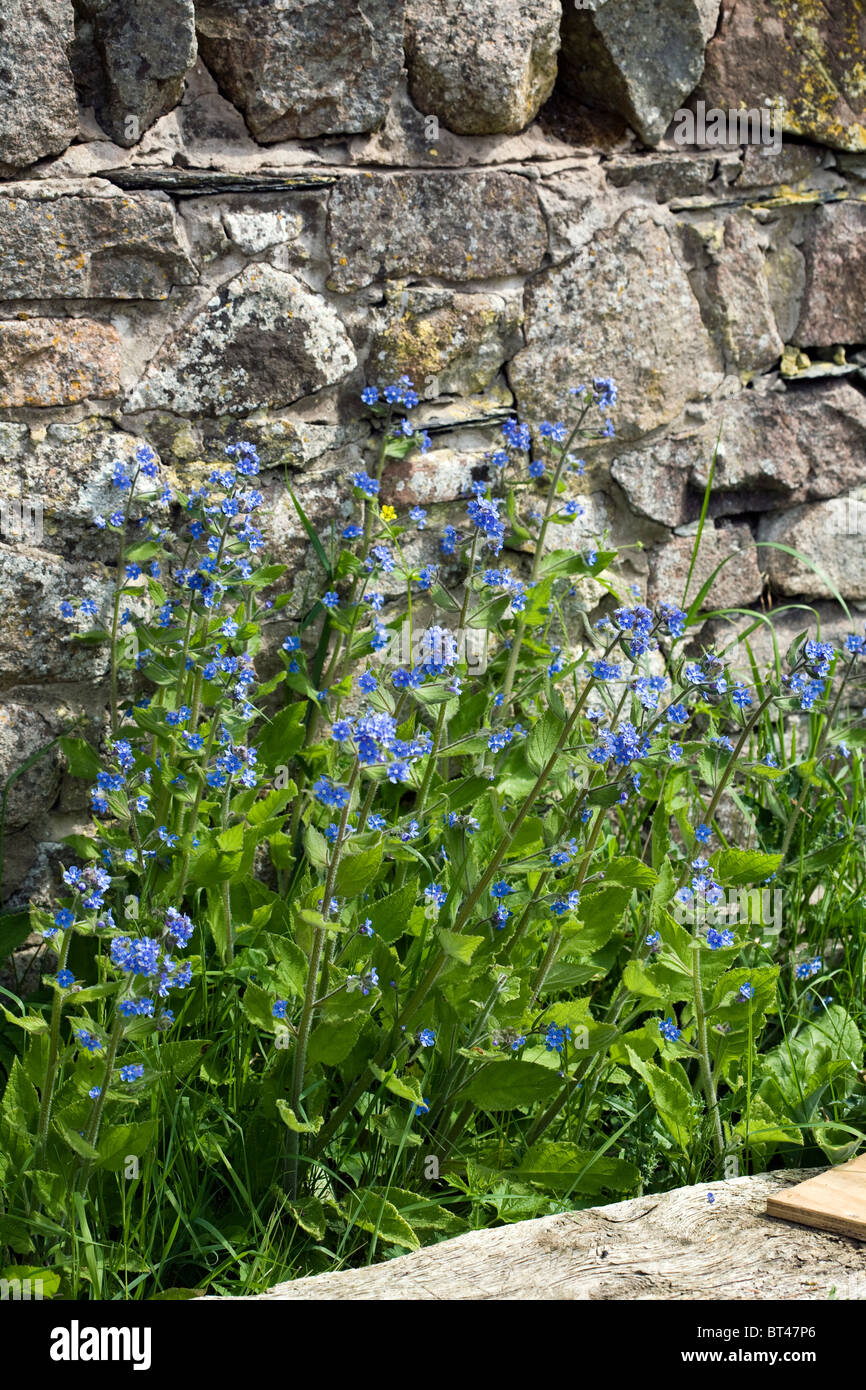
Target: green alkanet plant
[371, 933]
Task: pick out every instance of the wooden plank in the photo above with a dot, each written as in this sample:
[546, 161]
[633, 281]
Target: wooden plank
[833, 1201]
[666, 1245]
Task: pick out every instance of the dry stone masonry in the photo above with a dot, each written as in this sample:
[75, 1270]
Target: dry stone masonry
[219, 219]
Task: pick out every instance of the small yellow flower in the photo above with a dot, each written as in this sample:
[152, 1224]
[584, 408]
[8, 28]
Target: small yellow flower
[388, 514]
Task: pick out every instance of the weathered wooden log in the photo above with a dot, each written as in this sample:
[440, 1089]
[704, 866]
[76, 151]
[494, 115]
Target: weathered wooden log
[673, 1245]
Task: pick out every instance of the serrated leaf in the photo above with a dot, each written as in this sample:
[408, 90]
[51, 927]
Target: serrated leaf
[543, 741]
[741, 866]
[365, 1209]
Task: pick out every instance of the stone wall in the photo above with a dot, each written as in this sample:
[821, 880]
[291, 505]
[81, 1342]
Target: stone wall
[219, 219]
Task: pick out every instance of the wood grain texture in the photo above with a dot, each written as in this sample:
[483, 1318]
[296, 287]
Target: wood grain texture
[832, 1201]
[674, 1245]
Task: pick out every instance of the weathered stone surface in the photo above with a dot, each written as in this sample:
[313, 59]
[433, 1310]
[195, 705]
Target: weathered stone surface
[577, 205]
[621, 307]
[636, 57]
[38, 112]
[68, 466]
[89, 241]
[804, 57]
[793, 164]
[736, 296]
[298, 70]
[264, 339]
[282, 438]
[445, 342]
[738, 582]
[461, 227]
[832, 535]
[47, 362]
[22, 733]
[484, 67]
[772, 449]
[34, 638]
[656, 479]
[669, 175]
[424, 479]
[144, 50]
[834, 303]
[804, 444]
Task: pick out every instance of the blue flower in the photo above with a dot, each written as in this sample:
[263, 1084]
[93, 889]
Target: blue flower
[426, 1037]
[65, 978]
[669, 1030]
[556, 1037]
[436, 893]
[806, 969]
[133, 1072]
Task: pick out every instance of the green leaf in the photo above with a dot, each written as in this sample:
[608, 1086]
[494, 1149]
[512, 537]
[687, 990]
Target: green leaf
[283, 737]
[490, 614]
[671, 1097]
[117, 1143]
[291, 1121]
[368, 1211]
[46, 1280]
[310, 1216]
[292, 965]
[459, 947]
[637, 981]
[316, 846]
[78, 1144]
[425, 1217]
[31, 1023]
[178, 1059]
[443, 599]
[741, 866]
[14, 1232]
[357, 870]
[511, 1085]
[600, 914]
[563, 1167]
[332, 1041]
[630, 871]
[20, 1104]
[14, 930]
[543, 741]
[81, 758]
[258, 1005]
[389, 916]
[405, 1087]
